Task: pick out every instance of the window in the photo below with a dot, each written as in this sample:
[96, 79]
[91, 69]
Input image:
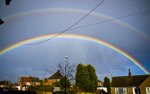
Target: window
[120, 91]
[147, 90]
[136, 90]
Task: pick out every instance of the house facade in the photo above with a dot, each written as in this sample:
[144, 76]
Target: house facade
[137, 84]
[27, 81]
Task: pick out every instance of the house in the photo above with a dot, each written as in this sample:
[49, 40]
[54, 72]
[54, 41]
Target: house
[5, 84]
[27, 81]
[35, 81]
[53, 79]
[15, 86]
[136, 84]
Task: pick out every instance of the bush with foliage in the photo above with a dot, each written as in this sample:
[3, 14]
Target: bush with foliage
[63, 92]
[46, 88]
[64, 82]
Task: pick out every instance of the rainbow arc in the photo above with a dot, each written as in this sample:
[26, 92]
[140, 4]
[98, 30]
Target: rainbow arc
[75, 36]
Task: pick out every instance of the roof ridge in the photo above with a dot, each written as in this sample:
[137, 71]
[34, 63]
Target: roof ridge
[132, 76]
[134, 80]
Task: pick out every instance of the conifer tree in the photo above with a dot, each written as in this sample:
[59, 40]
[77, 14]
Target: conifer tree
[86, 78]
[107, 84]
[93, 81]
[81, 77]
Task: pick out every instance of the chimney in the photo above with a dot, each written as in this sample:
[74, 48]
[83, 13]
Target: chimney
[129, 73]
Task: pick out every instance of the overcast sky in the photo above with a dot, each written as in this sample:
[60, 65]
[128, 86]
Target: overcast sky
[25, 19]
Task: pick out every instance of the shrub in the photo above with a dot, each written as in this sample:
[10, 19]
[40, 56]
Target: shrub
[59, 92]
[63, 92]
[47, 88]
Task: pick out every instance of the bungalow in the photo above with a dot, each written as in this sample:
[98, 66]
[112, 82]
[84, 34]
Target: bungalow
[137, 84]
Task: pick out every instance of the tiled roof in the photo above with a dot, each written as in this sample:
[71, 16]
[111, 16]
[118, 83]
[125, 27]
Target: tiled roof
[56, 75]
[26, 79]
[35, 79]
[126, 81]
[29, 79]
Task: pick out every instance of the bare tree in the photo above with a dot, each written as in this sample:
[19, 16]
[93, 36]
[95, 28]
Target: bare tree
[67, 70]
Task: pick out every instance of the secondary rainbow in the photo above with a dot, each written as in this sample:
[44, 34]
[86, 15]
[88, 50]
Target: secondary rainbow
[72, 10]
[75, 36]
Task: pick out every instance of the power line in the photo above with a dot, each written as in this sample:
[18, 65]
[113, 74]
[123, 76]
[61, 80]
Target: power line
[92, 24]
[70, 26]
[84, 26]
[112, 19]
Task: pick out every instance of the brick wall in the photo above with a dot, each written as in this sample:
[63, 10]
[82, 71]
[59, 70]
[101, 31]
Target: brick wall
[145, 84]
[112, 90]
